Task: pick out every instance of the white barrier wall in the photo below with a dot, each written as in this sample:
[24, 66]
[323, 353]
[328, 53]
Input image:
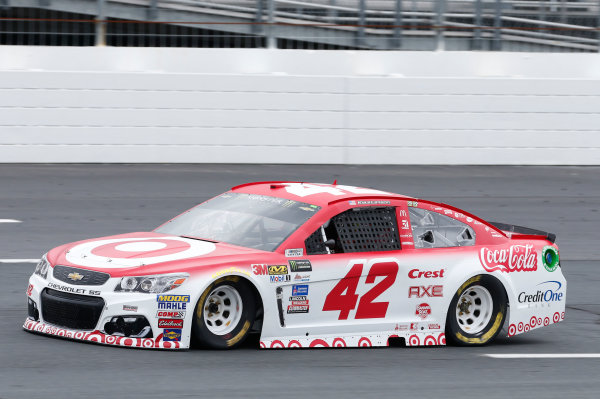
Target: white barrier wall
[269, 106]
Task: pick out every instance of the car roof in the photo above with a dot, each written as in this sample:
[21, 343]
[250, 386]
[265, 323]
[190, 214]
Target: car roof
[319, 194]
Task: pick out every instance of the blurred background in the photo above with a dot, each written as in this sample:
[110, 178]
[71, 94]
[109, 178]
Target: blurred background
[293, 81]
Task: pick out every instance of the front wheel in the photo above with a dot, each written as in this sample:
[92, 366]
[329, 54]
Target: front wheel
[477, 311]
[224, 314]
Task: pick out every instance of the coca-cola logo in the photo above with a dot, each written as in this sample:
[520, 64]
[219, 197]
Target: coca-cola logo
[516, 258]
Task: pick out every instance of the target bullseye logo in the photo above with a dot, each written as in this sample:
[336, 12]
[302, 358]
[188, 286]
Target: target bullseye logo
[137, 251]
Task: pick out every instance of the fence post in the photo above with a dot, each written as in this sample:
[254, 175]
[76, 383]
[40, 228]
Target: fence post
[439, 22]
[360, 32]
[497, 45]
[397, 42]
[100, 24]
[477, 44]
[271, 40]
[153, 9]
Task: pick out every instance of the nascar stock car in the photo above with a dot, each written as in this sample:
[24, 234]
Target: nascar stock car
[305, 265]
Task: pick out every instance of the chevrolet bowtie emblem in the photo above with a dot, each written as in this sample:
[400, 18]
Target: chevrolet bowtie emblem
[75, 276]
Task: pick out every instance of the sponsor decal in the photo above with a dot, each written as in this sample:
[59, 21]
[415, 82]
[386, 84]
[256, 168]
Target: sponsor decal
[130, 308]
[170, 314]
[260, 270]
[517, 258]
[308, 209]
[229, 270]
[299, 290]
[414, 326]
[294, 253]
[301, 278]
[371, 202]
[549, 293]
[29, 289]
[407, 243]
[280, 278]
[297, 309]
[550, 258]
[172, 334]
[72, 290]
[434, 326]
[302, 265]
[404, 225]
[300, 303]
[173, 298]
[416, 273]
[430, 291]
[299, 298]
[170, 323]
[423, 310]
[402, 213]
[75, 276]
[172, 305]
[275, 270]
[414, 204]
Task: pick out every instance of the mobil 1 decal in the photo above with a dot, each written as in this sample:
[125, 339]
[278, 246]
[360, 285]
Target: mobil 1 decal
[343, 297]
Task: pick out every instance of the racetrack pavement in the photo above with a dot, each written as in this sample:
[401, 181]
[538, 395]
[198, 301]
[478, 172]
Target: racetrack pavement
[62, 203]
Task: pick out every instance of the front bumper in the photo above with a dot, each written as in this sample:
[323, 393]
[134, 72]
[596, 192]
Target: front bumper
[98, 337]
[113, 304]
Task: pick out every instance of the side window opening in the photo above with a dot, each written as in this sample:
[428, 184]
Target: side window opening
[434, 230]
[356, 230]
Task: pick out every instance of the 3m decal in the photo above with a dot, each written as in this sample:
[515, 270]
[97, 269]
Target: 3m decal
[170, 314]
[430, 291]
[416, 273]
[299, 290]
[551, 294]
[260, 270]
[170, 323]
[343, 297]
[172, 334]
[423, 310]
[517, 258]
[275, 270]
[302, 265]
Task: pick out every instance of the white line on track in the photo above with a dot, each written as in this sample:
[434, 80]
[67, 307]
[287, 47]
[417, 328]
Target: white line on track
[10, 221]
[543, 355]
[19, 260]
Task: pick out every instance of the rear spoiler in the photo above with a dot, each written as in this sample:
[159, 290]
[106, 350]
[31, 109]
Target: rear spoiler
[525, 231]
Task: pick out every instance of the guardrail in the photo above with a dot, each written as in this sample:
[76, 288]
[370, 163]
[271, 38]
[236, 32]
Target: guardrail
[544, 25]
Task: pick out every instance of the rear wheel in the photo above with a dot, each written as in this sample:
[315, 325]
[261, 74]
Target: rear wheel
[224, 314]
[477, 312]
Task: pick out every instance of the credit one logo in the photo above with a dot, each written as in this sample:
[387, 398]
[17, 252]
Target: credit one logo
[549, 293]
[517, 258]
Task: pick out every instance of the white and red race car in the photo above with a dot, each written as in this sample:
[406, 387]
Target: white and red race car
[306, 265]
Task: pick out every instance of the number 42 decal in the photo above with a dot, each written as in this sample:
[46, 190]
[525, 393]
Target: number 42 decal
[343, 296]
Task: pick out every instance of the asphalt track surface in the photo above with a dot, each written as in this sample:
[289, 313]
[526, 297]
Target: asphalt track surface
[63, 203]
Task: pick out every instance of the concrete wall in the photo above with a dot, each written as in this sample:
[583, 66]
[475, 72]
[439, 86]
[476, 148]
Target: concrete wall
[269, 106]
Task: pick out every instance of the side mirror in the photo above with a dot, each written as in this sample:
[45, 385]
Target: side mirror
[330, 243]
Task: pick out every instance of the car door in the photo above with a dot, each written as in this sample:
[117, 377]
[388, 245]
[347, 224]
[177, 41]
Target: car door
[347, 282]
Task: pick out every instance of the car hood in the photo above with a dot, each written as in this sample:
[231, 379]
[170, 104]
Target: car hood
[145, 253]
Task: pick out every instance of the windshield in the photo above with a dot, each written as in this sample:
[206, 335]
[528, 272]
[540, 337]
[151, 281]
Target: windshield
[247, 220]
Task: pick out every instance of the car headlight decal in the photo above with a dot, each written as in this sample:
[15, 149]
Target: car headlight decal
[150, 284]
[42, 267]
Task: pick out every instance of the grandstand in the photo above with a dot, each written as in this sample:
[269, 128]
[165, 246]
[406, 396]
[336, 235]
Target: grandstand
[512, 25]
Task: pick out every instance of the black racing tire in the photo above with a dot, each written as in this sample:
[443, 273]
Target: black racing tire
[206, 336]
[475, 321]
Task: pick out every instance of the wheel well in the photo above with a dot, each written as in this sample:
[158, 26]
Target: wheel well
[258, 301]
